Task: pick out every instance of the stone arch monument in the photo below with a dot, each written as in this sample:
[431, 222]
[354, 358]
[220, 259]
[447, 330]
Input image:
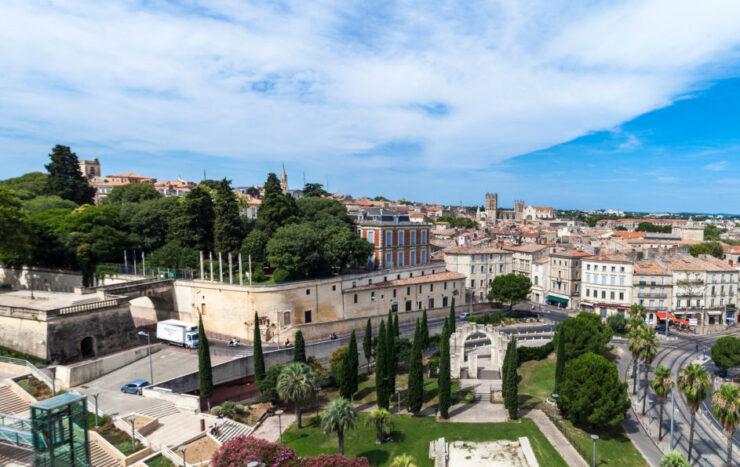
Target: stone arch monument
[497, 349]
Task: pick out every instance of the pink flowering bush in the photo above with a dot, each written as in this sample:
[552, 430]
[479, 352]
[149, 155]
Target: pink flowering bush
[240, 451]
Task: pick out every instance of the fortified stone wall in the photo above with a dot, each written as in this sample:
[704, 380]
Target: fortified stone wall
[22, 332]
[56, 280]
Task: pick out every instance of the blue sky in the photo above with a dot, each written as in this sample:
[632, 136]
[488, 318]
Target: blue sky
[595, 104]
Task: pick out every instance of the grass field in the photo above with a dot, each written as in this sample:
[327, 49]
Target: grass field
[160, 461]
[537, 383]
[411, 435]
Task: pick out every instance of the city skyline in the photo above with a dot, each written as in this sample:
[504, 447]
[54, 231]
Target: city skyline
[471, 101]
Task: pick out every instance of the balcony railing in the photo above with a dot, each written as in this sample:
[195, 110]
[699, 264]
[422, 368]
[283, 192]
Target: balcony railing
[654, 295]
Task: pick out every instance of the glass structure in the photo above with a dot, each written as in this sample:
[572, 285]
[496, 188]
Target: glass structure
[59, 427]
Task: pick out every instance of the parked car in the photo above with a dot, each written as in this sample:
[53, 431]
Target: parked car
[464, 315]
[135, 387]
[660, 328]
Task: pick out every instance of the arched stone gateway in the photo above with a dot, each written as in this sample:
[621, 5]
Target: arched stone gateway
[497, 349]
[87, 347]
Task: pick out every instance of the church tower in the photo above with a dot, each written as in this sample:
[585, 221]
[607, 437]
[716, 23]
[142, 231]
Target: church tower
[284, 180]
[491, 207]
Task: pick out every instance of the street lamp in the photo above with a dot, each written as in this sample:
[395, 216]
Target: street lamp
[594, 437]
[31, 277]
[149, 350]
[53, 369]
[318, 389]
[280, 424]
[182, 450]
[555, 407]
[96, 407]
[398, 391]
[673, 406]
[132, 418]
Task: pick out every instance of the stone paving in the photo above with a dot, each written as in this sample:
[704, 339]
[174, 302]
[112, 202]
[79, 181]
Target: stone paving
[269, 429]
[556, 438]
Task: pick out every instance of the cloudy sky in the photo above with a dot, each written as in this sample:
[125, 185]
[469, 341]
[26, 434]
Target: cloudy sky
[590, 104]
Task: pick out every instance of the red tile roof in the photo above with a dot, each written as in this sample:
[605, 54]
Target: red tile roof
[439, 277]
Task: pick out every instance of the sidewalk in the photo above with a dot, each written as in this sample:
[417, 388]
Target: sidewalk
[556, 438]
[270, 430]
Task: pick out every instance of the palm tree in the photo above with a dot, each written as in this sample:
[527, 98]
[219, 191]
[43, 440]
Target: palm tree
[404, 460]
[674, 459]
[635, 347]
[662, 385]
[382, 420]
[693, 382]
[726, 409]
[294, 384]
[339, 416]
[649, 349]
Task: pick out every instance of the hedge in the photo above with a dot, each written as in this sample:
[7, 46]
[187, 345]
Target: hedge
[526, 354]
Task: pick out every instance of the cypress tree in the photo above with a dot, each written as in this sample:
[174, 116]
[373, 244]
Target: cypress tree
[424, 330]
[416, 373]
[395, 326]
[559, 359]
[354, 359]
[390, 372]
[259, 359]
[443, 383]
[381, 352]
[299, 350]
[227, 227]
[205, 375]
[345, 382]
[452, 316]
[367, 344]
[504, 376]
[511, 400]
[65, 178]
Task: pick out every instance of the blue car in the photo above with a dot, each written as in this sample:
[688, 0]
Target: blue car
[134, 387]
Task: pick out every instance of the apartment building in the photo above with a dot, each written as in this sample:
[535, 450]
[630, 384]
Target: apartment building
[540, 277]
[607, 284]
[565, 278]
[480, 266]
[653, 288]
[398, 241]
[524, 255]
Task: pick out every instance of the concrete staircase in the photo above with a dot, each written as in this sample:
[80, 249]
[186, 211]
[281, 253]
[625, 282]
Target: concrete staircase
[12, 456]
[230, 429]
[10, 403]
[159, 410]
[100, 458]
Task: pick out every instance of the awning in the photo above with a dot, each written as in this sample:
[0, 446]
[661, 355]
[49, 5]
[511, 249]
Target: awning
[671, 317]
[564, 301]
[682, 321]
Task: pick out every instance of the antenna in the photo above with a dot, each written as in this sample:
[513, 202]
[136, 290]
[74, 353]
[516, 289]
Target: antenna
[304, 178]
[204, 175]
[327, 183]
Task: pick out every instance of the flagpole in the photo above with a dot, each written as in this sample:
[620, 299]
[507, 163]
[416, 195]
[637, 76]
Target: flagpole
[230, 280]
[220, 268]
[250, 270]
[241, 278]
[210, 260]
[201, 265]
[125, 261]
[134, 262]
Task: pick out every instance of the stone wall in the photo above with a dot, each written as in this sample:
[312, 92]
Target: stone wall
[56, 280]
[82, 372]
[23, 332]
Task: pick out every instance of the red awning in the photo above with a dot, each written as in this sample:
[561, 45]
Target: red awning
[683, 321]
[672, 318]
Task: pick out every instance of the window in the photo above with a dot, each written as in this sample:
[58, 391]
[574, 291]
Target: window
[333, 287]
[588, 267]
[431, 287]
[400, 258]
[660, 304]
[413, 238]
[588, 292]
[472, 283]
[445, 286]
[431, 303]
[424, 257]
[603, 280]
[202, 308]
[482, 269]
[536, 280]
[419, 289]
[621, 269]
[408, 290]
[371, 236]
[423, 237]
[308, 291]
[603, 294]
[444, 302]
[400, 237]
[651, 304]
[621, 295]
[408, 305]
[500, 268]
[472, 269]
[611, 295]
[614, 269]
[370, 281]
[388, 238]
[388, 260]
[621, 281]
[354, 284]
[413, 258]
[307, 316]
[372, 296]
[394, 293]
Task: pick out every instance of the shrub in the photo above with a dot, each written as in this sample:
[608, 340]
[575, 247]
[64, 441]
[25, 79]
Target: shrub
[617, 322]
[319, 370]
[402, 350]
[526, 354]
[280, 275]
[268, 385]
[335, 364]
[217, 410]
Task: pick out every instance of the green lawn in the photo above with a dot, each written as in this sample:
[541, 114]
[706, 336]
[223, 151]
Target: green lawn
[119, 439]
[412, 435]
[537, 383]
[160, 461]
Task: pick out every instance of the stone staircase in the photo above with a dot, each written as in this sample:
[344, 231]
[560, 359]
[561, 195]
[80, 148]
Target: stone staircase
[159, 410]
[230, 429]
[10, 403]
[12, 456]
[100, 458]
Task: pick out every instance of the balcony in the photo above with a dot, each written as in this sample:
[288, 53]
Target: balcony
[651, 295]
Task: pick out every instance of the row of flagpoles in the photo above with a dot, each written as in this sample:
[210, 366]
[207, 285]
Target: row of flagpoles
[202, 275]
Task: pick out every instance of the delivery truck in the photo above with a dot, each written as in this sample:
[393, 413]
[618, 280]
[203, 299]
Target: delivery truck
[178, 332]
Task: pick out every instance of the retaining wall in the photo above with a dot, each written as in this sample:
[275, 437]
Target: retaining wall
[80, 373]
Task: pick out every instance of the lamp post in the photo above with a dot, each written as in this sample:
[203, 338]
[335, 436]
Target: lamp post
[673, 406]
[96, 407]
[398, 391]
[280, 424]
[132, 418]
[555, 407]
[317, 400]
[149, 351]
[182, 450]
[31, 277]
[594, 437]
[53, 370]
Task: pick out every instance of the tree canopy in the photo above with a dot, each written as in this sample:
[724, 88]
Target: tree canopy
[311, 190]
[27, 186]
[726, 352]
[510, 289]
[65, 178]
[583, 333]
[131, 193]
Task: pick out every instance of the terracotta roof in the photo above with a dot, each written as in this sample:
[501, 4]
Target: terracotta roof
[527, 248]
[611, 257]
[649, 267]
[473, 251]
[439, 277]
[571, 253]
[628, 235]
[130, 175]
[542, 260]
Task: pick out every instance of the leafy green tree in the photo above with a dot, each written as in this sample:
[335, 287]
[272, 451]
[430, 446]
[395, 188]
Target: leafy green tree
[348, 383]
[173, 255]
[404, 460]
[339, 417]
[131, 193]
[259, 359]
[27, 186]
[65, 179]
[255, 245]
[311, 190]
[268, 384]
[726, 352]
[424, 330]
[299, 349]
[591, 393]
[147, 222]
[227, 231]
[205, 372]
[381, 367]
[510, 289]
[415, 394]
[674, 459]
[710, 248]
[13, 227]
[294, 384]
[464, 222]
[726, 409]
[559, 361]
[336, 364]
[41, 204]
[311, 209]
[617, 322]
[693, 382]
[382, 421]
[453, 318]
[634, 345]
[662, 385]
[192, 221]
[444, 383]
[297, 249]
[342, 247]
[367, 344]
[277, 209]
[650, 227]
[583, 333]
[712, 232]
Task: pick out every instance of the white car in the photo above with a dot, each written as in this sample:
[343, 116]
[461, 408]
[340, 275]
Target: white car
[464, 315]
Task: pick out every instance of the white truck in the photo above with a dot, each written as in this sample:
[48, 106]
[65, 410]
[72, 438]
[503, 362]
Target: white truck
[178, 333]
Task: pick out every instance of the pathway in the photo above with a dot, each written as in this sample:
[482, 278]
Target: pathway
[269, 429]
[556, 438]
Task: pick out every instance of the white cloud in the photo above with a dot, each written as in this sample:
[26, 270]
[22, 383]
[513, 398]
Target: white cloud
[668, 179]
[340, 78]
[716, 166]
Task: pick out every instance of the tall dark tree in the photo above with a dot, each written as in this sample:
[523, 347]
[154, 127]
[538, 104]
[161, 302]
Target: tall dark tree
[354, 357]
[259, 359]
[511, 399]
[65, 178]
[13, 227]
[396, 332]
[277, 209]
[192, 221]
[505, 367]
[348, 383]
[131, 193]
[444, 383]
[299, 349]
[227, 229]
[424, 330]
[381, 365]
[559, 361]
[367, 344]
[452, 316]
[311, 190]
[415, 394]
[205, 372]
[391, 362]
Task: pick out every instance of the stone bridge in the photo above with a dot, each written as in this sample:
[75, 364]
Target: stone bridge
[161, 292]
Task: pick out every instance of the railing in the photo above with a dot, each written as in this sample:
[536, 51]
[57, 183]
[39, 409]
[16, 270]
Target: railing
[34, 370]
[16, 431]
[85, 307]
[654, 295]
